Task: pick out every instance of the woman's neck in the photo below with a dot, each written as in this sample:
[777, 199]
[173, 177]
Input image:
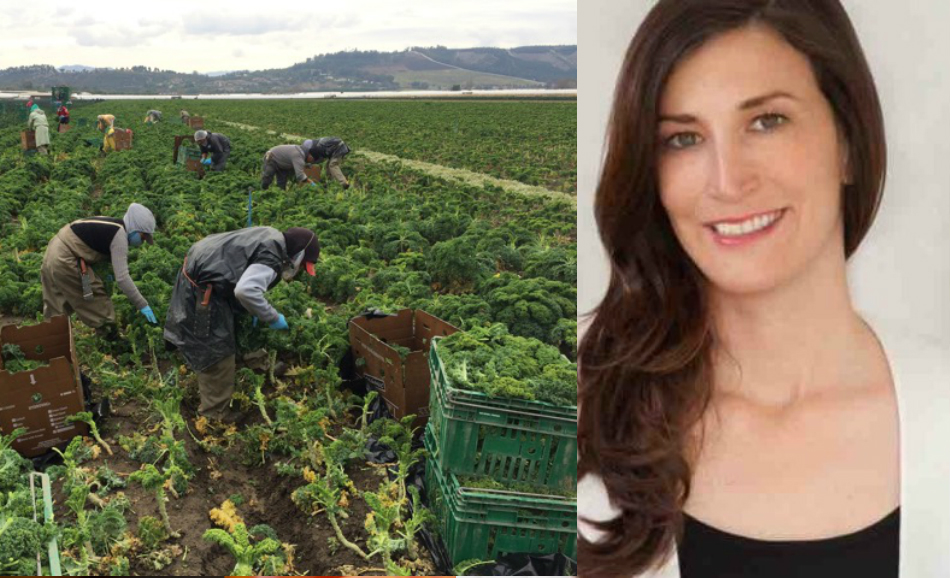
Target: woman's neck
[779, 347]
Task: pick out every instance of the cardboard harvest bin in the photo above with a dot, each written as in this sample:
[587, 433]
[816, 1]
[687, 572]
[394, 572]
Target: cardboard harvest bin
[123, 139]
[403, 383]
[40, 400]
[27, 140]
[312, 171]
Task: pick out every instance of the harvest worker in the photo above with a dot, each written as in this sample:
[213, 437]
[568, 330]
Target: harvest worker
[184, 116]
[331, 148]
[223, 275]
[106, 125]
[63, 114]
[215, 144]
[38, 123]
[153, 116]
[285, 161]
[69, 283]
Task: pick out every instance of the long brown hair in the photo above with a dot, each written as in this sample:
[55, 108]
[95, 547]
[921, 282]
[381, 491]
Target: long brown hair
[645, 376]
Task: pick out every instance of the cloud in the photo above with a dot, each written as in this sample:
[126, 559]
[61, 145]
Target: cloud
[238, 25]
[94, 33]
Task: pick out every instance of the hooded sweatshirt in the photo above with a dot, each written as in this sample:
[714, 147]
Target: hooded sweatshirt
[110, 238]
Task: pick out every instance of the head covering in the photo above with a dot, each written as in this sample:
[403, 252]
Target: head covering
[139, 218]
[34, 107]
[201, 134]
[299, 239]
[307, 145]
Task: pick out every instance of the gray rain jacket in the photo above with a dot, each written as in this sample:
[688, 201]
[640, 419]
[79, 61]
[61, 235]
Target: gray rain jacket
[201, 324]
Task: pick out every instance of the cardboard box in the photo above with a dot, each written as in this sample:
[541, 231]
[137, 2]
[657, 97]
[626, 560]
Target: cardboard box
[28, 140]
[64, 128]
[194, 166]
[312, 171]
[40, 400]
[123, 139]
[196, 122]
[403, 383]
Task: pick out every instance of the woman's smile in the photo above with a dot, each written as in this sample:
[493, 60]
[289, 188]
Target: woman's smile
[744, 230]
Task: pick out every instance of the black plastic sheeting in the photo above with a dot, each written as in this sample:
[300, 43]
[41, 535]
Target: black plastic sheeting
[352, 380]
[380, 453]
[527, 565]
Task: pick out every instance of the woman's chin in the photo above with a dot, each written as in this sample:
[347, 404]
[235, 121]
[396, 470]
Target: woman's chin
[751, 281]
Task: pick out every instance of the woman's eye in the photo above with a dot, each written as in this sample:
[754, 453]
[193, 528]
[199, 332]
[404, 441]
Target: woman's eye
[682, 140]
[770, 121]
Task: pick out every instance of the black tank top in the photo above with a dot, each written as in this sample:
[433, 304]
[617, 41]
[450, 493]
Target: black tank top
[706, 552]
[97, 232]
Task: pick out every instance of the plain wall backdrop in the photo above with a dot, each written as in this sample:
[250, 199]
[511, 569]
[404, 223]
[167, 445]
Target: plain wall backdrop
[901, 272]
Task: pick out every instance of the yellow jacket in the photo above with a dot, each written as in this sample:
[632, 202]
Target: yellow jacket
[108, 141]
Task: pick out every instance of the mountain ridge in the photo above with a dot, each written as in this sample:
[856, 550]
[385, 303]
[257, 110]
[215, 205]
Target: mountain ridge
[436, 68]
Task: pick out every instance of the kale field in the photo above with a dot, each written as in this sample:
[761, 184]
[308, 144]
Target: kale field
[293, 489]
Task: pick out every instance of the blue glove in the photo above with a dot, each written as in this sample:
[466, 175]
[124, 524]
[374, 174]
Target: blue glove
[254, 321]
[147, 312]
[313, 184]
[206, 162]
[280, 324]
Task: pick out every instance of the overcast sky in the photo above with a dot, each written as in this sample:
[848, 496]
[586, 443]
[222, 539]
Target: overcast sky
[216, 35]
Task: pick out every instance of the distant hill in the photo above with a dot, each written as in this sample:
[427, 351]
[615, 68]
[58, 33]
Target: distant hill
[76, 68]
[414, 68]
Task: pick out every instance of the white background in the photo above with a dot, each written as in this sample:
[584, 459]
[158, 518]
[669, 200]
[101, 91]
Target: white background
[901, 272]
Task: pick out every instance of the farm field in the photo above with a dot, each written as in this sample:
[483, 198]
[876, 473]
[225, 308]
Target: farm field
[292, 489]
[533, 142]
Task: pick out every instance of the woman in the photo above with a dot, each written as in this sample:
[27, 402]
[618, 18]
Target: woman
[738, 416]
[69, 283]
[38, 123]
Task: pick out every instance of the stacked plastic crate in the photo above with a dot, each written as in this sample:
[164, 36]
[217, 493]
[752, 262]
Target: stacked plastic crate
[502, 473]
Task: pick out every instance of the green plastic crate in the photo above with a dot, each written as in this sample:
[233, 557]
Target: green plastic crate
[187, 153]
[509, 440]
[485, 524]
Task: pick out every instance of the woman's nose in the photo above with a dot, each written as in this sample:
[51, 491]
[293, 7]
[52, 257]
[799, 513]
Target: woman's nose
[733, 173]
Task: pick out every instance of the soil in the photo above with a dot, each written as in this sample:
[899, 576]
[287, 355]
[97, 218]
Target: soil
[265, 500]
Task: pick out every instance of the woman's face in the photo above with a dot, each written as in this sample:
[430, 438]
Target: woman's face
[750, 163]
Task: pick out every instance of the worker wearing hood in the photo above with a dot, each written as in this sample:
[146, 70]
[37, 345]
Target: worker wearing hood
[69, 283]
[333, 150]
[222, 276]
[40, 126]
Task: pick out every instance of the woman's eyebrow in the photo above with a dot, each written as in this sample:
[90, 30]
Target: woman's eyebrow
[760, 100]
[744, 105]
[680, 118]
